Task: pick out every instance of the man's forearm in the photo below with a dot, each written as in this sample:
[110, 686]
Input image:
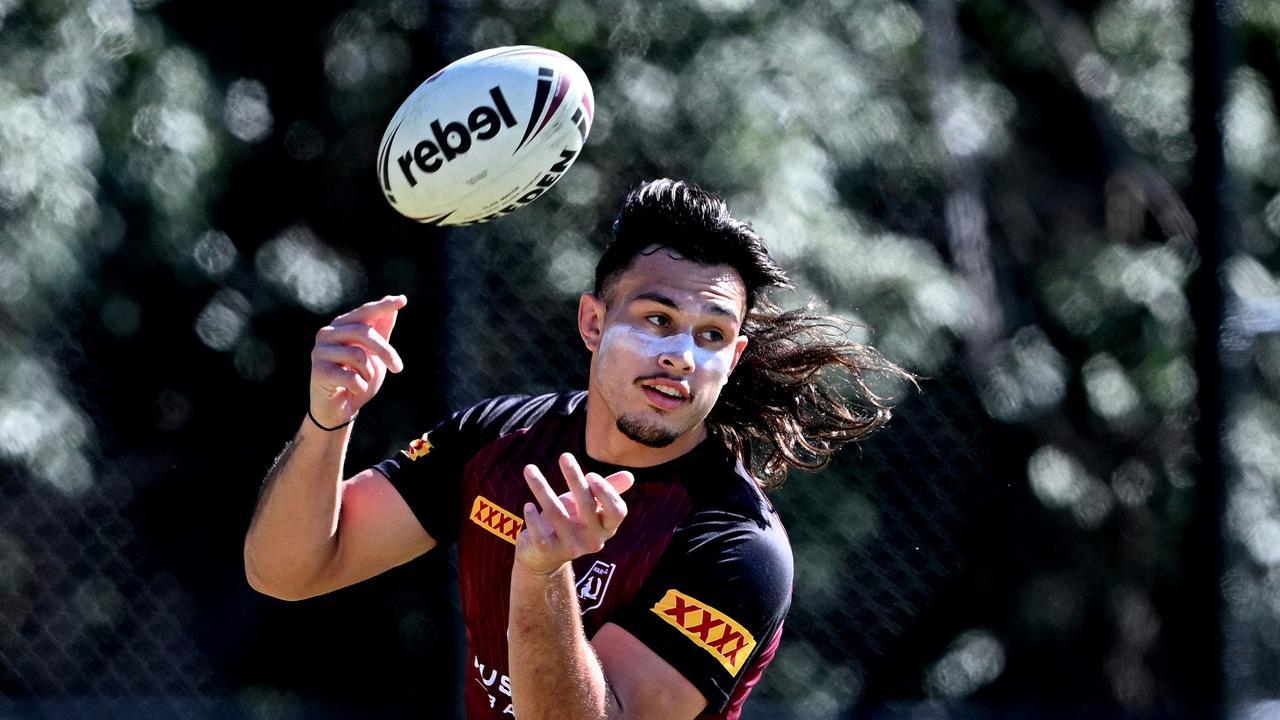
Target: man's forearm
[294, 528]
[554, 671]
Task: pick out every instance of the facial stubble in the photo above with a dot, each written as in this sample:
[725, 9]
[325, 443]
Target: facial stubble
[647, 435]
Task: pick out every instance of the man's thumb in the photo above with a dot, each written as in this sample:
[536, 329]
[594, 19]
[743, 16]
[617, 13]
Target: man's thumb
[621, 481]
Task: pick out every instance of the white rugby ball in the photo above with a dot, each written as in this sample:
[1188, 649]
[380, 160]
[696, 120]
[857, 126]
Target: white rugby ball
[485, 136]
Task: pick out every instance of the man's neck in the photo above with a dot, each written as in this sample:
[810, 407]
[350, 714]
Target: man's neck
[606, 443]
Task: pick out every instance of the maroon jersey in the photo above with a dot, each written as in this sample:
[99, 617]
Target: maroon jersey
[700, 571]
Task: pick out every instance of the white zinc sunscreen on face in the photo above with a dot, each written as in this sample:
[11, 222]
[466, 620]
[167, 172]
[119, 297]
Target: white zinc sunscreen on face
[627, 339]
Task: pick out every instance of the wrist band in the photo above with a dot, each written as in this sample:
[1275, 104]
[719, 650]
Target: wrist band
[329, 429]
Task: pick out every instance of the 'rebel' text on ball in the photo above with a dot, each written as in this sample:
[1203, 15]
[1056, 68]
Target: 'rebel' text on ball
[484, 121]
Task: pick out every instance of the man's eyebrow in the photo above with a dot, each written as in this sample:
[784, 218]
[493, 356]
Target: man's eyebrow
[713, 308]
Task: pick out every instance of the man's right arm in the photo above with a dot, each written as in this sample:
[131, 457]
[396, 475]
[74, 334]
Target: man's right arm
[312, 531]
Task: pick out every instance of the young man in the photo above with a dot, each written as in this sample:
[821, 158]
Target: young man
[617, 556]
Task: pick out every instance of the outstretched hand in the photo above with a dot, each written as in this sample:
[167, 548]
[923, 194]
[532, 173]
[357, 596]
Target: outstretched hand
[573, 524]
[350, 359]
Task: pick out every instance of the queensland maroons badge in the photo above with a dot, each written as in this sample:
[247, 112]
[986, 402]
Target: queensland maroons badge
[592, 586]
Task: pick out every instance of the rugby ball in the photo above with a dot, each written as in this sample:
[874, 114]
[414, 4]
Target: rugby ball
[485, 136]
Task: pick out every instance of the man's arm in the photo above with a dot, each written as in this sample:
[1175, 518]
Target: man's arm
[555, 671]
[312, 532]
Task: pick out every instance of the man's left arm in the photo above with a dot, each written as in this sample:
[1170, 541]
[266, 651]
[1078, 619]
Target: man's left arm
[555, 671]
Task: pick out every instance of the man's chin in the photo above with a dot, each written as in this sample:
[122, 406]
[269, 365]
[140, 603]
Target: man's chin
[645, 434]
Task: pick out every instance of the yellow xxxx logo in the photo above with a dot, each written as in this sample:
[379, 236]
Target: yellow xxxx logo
[488, 515]
[709, 628]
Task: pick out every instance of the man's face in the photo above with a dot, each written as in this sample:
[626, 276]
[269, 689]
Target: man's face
[664, 338]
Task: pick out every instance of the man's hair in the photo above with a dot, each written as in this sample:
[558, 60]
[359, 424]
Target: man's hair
[695, 223]
[800, 390]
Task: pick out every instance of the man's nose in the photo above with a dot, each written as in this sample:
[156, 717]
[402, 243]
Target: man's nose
[676, 353]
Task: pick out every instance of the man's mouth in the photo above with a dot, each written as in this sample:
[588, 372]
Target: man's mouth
[664, 394]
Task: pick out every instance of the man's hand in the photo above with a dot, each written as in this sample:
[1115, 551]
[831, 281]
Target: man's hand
[351, 358]
[574, 524]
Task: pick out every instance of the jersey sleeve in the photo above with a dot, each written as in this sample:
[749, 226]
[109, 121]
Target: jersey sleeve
[428, 473]
[715, 600]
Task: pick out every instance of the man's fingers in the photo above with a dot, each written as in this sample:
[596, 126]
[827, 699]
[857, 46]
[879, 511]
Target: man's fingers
[547, 500]
[370, 312]
[365, 337]
[577, 489]
[353, 358]
[535, 524]
[339, 376]
[571, 505]
[612, 508]
[621, 481]
[384, 324]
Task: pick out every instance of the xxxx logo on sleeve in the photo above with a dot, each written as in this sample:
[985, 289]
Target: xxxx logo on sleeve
[418, 448]
[488, 515]
[710, 629]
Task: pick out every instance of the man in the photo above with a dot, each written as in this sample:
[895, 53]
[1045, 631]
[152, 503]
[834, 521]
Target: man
[617, 556]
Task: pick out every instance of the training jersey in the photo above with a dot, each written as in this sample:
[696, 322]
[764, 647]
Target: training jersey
[700, 570]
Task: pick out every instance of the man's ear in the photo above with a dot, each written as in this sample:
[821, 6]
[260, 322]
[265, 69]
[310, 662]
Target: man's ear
[739, 345]
[590, 320]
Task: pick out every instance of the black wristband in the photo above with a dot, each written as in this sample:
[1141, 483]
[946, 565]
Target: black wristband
[329, 429]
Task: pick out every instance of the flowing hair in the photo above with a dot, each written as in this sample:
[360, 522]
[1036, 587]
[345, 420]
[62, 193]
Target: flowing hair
[800, 390]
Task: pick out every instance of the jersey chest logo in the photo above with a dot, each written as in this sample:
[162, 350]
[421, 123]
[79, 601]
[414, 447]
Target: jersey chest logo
[593, 585]
[713, 631]
[492, 517]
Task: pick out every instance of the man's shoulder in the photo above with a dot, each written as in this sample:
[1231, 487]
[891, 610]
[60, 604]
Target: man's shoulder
[730, 517]
[424, 473]
[526, 405]
[468, 430]
[720, 488]
[504, 414]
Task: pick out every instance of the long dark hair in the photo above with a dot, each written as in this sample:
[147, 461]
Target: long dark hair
[800, 390]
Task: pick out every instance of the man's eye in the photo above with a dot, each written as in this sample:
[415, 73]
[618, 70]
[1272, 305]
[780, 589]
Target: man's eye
[659, 320]
[713, 336]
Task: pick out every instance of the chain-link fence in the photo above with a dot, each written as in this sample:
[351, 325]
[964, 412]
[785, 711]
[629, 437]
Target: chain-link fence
[88, 616]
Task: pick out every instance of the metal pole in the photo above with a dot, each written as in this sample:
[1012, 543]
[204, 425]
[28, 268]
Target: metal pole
[1203, 659]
